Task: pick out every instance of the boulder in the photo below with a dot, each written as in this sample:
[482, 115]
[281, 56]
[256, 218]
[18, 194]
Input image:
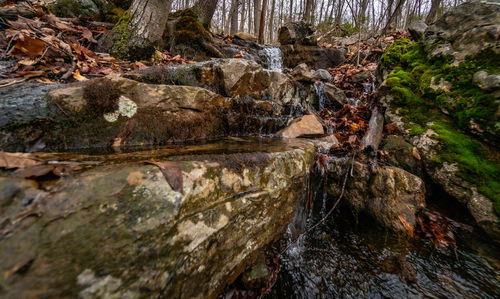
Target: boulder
[315, 57]
[325, 144]
[302, 72]
[246, 36]
[391, 195]
[487, 82]
[305, 126]
[123, 112]
[297, 33]
[124, 229]
[417, 29]
[336, 95]
[402, 154]
[322, 75]
[465, 30]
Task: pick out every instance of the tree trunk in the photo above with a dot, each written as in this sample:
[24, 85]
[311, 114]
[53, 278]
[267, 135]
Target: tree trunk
[140, 30]
[262, 22]
[271, 22]
[205, 10]
[257, 11]
[431, 17]
[243, 16]
[307, 14]
[234, 17]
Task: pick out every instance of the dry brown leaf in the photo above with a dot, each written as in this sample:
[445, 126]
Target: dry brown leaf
[34, 172]
[172, 173]
[28, 46]
[416, 154]
[139, 66]
[31, 74]
[78, 77]
[17, 160]
[20, 267]
[408, 227]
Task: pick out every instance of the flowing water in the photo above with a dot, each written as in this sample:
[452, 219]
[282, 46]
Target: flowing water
[273, 58]
[350, 257]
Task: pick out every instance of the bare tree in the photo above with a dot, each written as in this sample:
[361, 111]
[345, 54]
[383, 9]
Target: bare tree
[262, 21]
[271, 21]
[205, 10]
[431, 17]
[257, 11]
[233, 17]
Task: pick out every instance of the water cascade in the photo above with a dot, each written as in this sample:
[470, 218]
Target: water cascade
[273, 58]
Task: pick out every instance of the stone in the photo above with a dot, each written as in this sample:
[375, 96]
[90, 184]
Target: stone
[246, 36]
[315, 57]
[322, 75]
[465, 30]
[335, 95]
[487, 82]
[388, 194]
[361, 77]
[417, 29]
[325, 144]
[302, 72]
[305, 126]
[118, 230]
[402, 154]
[297, 33]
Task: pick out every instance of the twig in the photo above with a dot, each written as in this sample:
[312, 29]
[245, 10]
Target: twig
[13, 83]
[329, 212]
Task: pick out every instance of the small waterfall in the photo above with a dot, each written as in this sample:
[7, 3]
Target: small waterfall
[273, 58]
[320, 92]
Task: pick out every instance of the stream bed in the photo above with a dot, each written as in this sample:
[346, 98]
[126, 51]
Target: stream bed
[351, 257]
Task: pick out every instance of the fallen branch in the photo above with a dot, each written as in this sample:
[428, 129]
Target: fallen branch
[373, 137]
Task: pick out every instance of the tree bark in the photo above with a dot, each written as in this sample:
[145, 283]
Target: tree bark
[308, 9]
[140, 30]
[234, 17]
[243, 16]
[262, 22]
[431, 17]
[271, 21]
[257, 11]
[205, 10]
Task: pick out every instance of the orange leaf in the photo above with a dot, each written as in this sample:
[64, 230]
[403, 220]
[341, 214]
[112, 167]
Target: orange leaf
[28, 46]
[408, 227]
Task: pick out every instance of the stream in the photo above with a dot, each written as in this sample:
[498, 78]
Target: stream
[351, 257]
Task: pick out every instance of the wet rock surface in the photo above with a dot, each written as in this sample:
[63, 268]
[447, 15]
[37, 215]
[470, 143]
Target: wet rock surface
[128, 233]
[388, 194]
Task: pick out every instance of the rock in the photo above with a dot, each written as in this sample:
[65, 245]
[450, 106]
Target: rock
[118, 230]
[155, 114]
[361, 77]
[386, 195]
[246, 36]
[305, 126]
[297, 33]
[402, 154]
[322, 75]
[302, 72]
[417, 29]
[487, 82]
[23, 102]
[315, 57]
[325, 144]
[465, 30]
[256, 278]
[335, 95]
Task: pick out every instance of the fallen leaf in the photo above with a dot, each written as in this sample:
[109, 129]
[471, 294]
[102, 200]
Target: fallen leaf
[172, 173]
[78, 77]
[31, 74]
[408, 227]
[20, 267]
[28, 46]
[139, 66]
[416, 154]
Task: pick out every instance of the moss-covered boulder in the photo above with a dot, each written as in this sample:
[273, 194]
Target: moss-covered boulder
[116, 111]
[122, 230]
[451, 119]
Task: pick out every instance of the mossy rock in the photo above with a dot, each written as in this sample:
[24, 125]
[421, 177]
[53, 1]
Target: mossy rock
[430, 93]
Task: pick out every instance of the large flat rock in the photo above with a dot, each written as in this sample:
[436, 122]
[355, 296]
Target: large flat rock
[118, 229]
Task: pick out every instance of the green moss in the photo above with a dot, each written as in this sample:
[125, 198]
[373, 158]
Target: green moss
[188, 28]
[472, 160]
[121, 37]
[452, 111]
